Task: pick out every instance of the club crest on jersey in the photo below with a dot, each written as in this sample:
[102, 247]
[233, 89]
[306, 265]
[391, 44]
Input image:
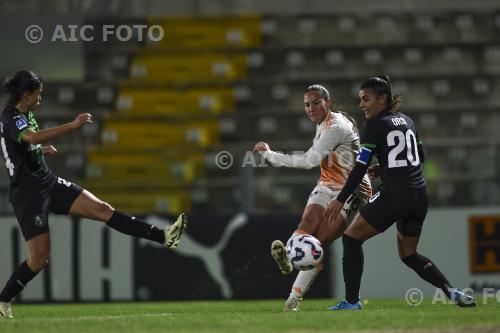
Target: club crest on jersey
[40, 221]
[21, 124]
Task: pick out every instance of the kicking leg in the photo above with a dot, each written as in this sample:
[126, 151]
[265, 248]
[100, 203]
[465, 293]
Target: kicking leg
[89, 206]
[325, 233]
[309, 224]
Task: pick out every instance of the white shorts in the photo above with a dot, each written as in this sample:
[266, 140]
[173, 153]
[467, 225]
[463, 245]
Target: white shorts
[322, 195]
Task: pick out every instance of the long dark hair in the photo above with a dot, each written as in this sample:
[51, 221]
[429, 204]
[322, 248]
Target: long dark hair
[381, 85]
[23, 81]
[325, 94]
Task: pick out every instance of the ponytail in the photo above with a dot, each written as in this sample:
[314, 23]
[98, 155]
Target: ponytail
[23, 81]
[381, 85]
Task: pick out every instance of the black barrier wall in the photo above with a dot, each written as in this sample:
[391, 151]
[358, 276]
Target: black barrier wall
[220, 257]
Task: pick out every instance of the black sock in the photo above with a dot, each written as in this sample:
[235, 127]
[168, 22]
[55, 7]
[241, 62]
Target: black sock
[18, 280]
[352, 263]
[135, 227]
[428, 271]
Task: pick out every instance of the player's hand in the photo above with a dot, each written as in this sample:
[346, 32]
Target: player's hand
[373, 171]
[49, 150]
[81, 119]
[261, 147]
[332, 211]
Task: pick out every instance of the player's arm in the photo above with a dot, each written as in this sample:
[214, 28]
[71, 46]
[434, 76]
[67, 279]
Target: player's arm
[353, 181]
[363, 160]
[42, 136]
[373, 171]
[327, 142]
[366, 153]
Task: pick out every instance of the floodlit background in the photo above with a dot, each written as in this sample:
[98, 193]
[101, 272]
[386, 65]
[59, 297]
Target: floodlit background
[182, 90]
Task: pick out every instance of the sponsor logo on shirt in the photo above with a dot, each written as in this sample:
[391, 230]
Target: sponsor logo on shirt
[21, 124]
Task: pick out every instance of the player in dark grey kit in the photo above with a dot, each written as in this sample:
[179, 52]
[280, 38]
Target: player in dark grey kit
[35, 190]
[391, 137]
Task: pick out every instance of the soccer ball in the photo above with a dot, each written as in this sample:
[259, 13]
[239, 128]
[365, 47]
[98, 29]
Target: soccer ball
[304, 251]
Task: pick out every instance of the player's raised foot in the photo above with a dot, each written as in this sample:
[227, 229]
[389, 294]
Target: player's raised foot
[345, 305]
[461, 299]
[173, 232]
[5, 310]
[278, 252]
[292, 304]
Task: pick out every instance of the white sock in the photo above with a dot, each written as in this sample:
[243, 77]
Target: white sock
[303, 282]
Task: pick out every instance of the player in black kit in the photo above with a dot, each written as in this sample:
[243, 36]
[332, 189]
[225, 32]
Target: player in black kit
[391, 137]
[35, 190]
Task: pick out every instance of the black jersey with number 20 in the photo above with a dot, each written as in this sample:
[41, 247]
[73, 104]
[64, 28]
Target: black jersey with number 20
[392, 138]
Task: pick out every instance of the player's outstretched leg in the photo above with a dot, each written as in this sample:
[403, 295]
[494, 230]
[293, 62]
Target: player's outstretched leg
[278, 252]
[173, 232]
[5, 310]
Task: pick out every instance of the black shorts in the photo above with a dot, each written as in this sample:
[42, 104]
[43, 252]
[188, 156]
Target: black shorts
[407, 209]
[33, 212]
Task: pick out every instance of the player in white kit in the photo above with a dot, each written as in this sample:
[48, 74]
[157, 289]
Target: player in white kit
[334, 149]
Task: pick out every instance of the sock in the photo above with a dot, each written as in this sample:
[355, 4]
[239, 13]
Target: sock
[133, 226]
[426, 269]
[303, 281]
[352, 264]
[298, 232]
[16, 283]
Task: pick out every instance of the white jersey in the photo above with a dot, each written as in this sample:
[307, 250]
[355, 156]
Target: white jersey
[335, 148]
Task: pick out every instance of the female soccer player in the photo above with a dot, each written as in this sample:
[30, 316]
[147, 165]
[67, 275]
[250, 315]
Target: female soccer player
[35, 190]
[334, 149]
[391, 137]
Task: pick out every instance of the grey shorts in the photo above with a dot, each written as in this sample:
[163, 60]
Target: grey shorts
[322, 195]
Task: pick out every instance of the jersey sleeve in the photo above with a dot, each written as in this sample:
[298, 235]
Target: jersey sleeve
[16, 127]
[353, 181]
[368, 146]
[368, 143]
[321, 148]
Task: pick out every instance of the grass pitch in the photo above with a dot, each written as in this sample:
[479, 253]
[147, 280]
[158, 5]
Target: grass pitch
[249, 316]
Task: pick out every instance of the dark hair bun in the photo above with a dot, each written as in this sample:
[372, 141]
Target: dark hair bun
[385, 78]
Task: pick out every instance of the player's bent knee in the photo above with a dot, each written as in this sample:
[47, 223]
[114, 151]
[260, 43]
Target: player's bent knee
[104, 208]
[107, 206]
[37, 263]
[411, 260]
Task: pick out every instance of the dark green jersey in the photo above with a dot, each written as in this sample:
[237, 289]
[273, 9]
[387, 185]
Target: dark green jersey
[25, 163]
